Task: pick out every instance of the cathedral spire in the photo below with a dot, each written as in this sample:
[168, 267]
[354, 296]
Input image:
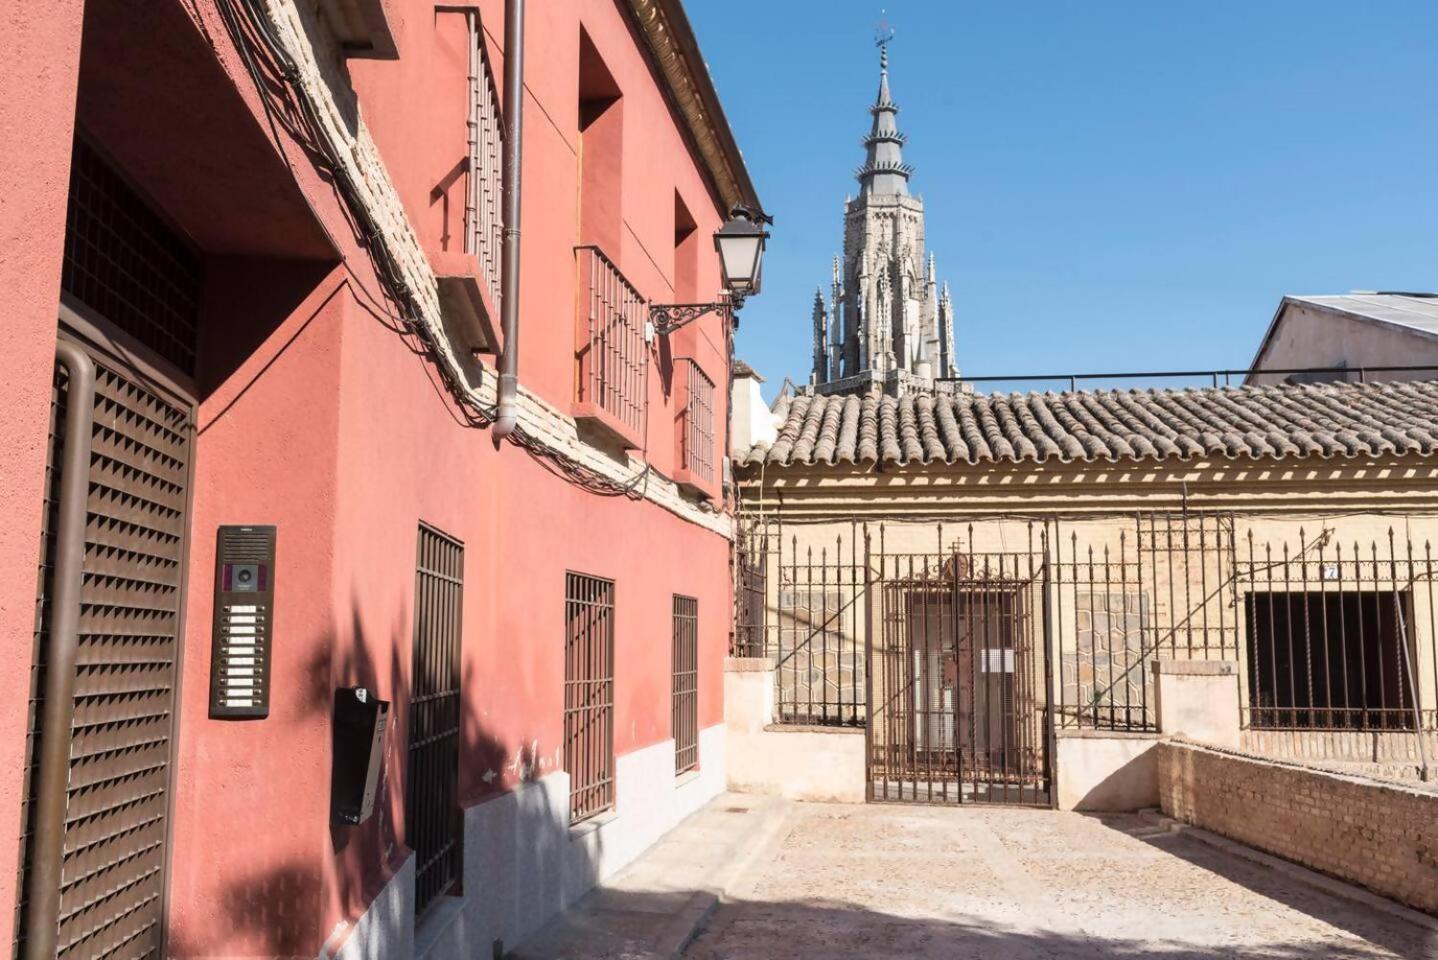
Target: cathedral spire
[884, 171]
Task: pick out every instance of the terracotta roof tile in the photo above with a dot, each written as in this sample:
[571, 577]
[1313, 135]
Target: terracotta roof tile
[1267, 422]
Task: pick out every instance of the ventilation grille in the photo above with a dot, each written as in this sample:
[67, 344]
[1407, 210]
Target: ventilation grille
[127, 264]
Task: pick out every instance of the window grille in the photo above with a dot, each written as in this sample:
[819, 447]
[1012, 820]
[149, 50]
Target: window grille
[698, 434]
[127, 264]
[612, 356]
[589, 694]
[432, 816]
[686, 684]
[1333, 633]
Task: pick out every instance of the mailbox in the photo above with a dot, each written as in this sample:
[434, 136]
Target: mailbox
[359, 725]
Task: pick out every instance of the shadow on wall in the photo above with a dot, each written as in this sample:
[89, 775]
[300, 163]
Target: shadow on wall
[277, 911]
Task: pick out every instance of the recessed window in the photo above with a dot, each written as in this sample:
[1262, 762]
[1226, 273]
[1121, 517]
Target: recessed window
[601, 150]
[686, 253]
[686, 684]
[589, 694]
[432, 818]
[1328, 660]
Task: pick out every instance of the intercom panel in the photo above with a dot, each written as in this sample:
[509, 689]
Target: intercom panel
[244, 622]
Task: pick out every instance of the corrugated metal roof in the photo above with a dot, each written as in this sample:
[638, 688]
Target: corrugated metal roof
[1408, 310]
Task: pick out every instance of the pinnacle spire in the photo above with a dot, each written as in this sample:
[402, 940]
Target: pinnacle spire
[884, 170]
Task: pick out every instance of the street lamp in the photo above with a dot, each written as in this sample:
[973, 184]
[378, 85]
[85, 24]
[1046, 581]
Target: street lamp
[740, 243]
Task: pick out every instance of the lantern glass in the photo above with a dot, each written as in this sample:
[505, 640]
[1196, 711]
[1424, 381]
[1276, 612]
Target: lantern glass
[741, 249]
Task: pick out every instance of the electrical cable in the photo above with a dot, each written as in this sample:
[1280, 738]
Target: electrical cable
[301, 121]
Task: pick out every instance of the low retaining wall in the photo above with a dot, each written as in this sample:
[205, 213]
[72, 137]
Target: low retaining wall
[1377, 834]
[800, 763]
[1102, 770]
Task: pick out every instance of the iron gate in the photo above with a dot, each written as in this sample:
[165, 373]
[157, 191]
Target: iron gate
[108, 627]
[958, 678]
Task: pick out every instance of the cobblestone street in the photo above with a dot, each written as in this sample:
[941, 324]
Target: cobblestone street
[886, 881]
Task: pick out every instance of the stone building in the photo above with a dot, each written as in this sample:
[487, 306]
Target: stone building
[995, 587]
[888, 324]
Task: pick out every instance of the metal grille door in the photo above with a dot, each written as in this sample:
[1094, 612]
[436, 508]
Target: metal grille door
[959, 679]
[686, 684]
[432, 818]
[114, 828]
[589, 694]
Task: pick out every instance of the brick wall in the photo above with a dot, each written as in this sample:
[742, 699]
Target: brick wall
[1383, 836]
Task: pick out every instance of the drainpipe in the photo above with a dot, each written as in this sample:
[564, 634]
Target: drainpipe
[42, 908]
[507, 414]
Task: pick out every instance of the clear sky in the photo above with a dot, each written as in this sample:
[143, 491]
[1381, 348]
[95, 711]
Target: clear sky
[1111, 184]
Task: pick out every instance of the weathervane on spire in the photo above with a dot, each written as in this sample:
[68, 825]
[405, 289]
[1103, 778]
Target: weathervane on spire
[883, 33]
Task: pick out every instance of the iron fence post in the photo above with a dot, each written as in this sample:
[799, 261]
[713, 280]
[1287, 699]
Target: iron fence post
[868, 670]
[1051, 734]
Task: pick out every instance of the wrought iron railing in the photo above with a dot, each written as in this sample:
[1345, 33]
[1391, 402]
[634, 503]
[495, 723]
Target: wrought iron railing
[612, 357]
[697, 435]
[483, 208]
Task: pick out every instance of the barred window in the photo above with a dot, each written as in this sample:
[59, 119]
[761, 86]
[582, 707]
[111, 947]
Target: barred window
[697, 436]
[686, 684]
[432, 816]
[589, 694]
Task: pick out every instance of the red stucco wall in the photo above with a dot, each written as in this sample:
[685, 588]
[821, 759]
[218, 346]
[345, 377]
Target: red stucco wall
[319, 417]
[43, 61]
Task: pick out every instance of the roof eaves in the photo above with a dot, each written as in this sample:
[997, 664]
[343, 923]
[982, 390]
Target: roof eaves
[675, 49]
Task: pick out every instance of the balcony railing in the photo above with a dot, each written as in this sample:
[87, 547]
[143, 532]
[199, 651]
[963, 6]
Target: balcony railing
[696, 427]
[612, 360]
[483, 212]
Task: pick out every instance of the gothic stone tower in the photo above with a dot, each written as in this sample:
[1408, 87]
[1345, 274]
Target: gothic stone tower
[887, 325]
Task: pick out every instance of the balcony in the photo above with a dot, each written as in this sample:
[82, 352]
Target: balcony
[612, 362]
[697, 470]
[469, 280]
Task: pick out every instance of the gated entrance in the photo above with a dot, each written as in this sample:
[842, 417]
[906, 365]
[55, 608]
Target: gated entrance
[941, 656]
[109, 604]
[959, 707]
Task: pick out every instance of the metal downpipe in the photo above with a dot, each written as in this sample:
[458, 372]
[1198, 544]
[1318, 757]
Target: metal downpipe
[42, 909]
[507, 408]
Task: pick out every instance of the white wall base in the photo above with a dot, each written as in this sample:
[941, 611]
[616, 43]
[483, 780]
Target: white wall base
[523, 863]
[386, 929]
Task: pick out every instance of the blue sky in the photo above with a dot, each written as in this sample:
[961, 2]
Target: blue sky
[1110, 185]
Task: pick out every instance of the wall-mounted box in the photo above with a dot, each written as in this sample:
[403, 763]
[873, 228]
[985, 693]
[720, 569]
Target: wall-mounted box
[359, 725]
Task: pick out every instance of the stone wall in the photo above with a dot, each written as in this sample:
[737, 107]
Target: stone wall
[1379, 835]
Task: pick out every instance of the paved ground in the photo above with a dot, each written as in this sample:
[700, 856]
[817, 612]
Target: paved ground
[811, 881]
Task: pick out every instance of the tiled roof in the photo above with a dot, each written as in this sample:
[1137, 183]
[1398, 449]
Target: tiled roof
[1327, 420]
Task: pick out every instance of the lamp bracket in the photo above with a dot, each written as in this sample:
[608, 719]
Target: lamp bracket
[665, 318]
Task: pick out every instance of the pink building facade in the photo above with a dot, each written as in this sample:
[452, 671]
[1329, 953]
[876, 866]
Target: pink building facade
[271, 234]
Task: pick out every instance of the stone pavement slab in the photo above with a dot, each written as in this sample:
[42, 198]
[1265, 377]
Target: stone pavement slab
[891, 881]
[755, 878]
[655, 906]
